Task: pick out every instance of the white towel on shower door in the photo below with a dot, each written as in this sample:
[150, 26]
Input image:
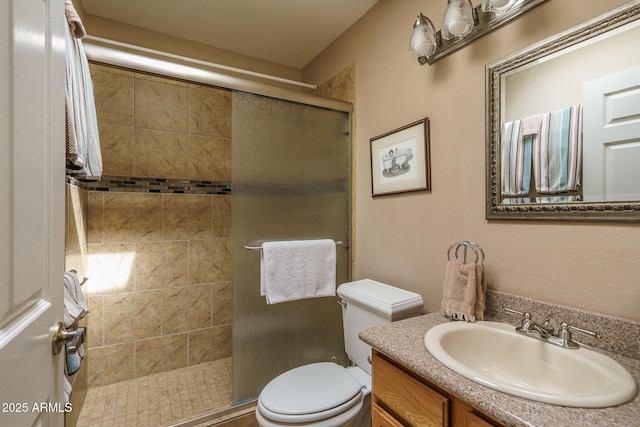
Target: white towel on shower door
[298, 269]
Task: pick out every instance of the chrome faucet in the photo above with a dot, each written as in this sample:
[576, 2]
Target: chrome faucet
[546, 333]
[529, 325]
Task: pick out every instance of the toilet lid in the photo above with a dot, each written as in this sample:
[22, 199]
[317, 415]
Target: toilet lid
[310, 388]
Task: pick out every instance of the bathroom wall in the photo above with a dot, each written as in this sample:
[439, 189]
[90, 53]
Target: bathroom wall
[158, 234]
[403, 239]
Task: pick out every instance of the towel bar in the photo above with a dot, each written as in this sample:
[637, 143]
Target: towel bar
[259, 248]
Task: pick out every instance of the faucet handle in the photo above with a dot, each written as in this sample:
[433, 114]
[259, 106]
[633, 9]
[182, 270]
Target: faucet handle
[568, 327]
[525, 315]
[512, 311]
[565, 334]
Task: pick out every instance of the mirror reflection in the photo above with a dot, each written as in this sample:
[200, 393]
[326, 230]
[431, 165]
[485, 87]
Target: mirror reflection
[578, 107]
[564, 124]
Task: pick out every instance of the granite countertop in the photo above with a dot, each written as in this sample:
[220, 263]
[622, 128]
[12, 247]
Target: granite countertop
[403, 341]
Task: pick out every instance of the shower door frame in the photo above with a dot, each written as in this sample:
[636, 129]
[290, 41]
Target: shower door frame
[196, 71]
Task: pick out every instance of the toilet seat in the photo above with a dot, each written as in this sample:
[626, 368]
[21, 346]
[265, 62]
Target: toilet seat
[349, 409]
[310, 393]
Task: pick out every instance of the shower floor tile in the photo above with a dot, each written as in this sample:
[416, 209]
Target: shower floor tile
[160, 399]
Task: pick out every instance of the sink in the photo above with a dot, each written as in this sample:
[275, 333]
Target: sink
[495, 355]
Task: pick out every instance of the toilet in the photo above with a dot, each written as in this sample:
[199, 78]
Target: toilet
[325, 394]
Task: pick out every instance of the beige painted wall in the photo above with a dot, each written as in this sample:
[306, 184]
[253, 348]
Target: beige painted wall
[403, 239]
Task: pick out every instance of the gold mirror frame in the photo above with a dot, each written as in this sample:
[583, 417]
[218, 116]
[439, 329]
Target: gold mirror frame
[573, 211]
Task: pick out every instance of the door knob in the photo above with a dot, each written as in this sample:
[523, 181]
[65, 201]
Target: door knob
[61, 336]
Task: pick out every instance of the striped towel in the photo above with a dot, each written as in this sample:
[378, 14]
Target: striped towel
[515, 160]
[84, 159]
[74, 19]
[557, 162]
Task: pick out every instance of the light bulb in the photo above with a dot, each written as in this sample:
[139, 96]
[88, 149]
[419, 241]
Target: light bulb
[458, 19]
[423, 39]
[496, 6]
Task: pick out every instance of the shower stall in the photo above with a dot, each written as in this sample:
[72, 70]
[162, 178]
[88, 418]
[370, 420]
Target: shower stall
[289, 180]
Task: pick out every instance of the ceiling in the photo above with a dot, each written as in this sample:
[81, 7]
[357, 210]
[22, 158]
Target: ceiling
[287, 32]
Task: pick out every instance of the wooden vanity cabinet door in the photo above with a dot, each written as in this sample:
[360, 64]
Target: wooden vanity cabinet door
[381, 418]
[464, 415]
[410, 401]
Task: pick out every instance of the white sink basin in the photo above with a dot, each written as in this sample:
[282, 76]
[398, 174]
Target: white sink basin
[495, 355]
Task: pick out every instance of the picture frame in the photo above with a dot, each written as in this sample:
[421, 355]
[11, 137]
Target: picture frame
[400, 160]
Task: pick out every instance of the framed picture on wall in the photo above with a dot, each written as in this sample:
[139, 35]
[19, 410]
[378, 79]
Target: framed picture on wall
[400, 160]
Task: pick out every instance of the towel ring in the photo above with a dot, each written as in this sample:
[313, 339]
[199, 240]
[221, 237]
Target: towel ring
[477, 250]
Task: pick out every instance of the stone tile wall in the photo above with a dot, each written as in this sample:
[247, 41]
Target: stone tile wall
[76, 212]
[159, 256]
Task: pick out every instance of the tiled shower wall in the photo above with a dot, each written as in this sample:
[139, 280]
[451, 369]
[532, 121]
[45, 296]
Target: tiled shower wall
[76, 210]
[159, 227]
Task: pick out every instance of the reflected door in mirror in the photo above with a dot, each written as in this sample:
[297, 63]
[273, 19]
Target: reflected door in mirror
[612, 137]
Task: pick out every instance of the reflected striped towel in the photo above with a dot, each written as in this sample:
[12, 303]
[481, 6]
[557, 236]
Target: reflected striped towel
[557, 162]
[558, 199]
[515, 156]
[516, 149]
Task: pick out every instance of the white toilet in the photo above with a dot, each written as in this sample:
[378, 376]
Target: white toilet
[326, 394]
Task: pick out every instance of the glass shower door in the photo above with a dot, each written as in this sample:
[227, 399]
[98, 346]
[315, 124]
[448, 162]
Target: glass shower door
[290, 177]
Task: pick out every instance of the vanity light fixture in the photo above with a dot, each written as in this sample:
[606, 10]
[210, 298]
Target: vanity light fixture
[423, 41]
[462, 23]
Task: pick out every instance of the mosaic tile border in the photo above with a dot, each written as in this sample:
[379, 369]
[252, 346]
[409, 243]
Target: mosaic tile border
[153, 185]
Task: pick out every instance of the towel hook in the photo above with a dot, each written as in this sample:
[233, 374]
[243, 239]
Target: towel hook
[84, 280]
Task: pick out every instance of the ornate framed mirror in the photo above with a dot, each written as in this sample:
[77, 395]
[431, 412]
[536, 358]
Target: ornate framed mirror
[563, 125]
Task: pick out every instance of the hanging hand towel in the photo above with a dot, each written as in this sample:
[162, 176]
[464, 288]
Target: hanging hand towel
[293, 270]
[73, 361]
[75, 306]
[481, 289]
[463, 297]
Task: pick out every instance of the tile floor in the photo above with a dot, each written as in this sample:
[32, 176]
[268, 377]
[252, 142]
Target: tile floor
[162, 399]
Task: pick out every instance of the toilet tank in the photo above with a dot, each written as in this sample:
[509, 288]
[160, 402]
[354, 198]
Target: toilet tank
[367, 303]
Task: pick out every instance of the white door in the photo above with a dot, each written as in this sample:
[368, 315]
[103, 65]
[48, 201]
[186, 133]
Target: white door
[31, 210]
[611, 138]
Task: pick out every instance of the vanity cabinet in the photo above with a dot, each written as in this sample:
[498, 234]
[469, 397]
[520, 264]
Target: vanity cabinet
[401, 399]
